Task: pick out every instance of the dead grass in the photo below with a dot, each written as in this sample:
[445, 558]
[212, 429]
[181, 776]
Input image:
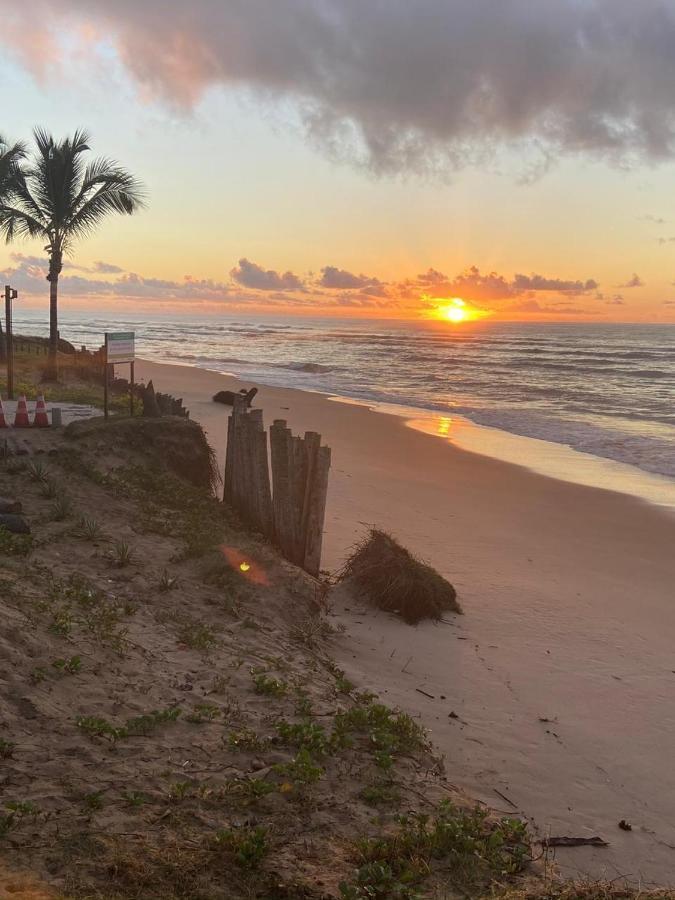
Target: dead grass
[394, 580]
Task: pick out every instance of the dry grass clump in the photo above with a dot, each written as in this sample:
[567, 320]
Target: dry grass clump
[396, 581]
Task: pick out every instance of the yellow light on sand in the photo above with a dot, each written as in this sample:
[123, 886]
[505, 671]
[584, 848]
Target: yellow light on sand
[244, 567]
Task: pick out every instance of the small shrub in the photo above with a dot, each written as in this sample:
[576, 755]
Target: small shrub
[62, 508]
[71, 666]
[37, 471]
[307, 735]
[167, 582]
[203, 712]
[394, 580]
[197, 636]
[302, 769]
[88, 529]
[380, 795]
[272, 687]
[121, 554]
[38, 675]
[249, 845]
[149, 722]
[95, 726]
[247, 740]
[14, 544]
[136, 799]
[93, 802]
[6, 749]
[50, 489]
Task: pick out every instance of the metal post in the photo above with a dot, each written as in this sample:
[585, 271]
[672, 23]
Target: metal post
[10, 295]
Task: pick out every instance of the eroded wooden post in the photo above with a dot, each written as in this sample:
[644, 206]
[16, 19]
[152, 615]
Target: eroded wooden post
[318, 492]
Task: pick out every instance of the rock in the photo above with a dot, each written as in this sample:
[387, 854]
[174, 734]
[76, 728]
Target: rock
[10, 506]
[15, 524]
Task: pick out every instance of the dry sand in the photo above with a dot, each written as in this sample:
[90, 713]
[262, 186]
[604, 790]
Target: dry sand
[561, 674]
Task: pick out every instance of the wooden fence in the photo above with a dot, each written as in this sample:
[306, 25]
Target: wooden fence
[290, 507]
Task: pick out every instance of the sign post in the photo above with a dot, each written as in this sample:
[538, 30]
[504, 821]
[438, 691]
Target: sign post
[10, 294]
[120, 347]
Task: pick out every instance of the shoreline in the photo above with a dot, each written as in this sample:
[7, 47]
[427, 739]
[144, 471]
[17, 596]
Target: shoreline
[560, 672]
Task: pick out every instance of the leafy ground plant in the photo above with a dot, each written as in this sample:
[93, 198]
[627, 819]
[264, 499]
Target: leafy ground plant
[248, 845]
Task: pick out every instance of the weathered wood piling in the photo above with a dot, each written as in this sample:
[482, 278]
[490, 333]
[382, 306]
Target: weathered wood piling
[290, 507]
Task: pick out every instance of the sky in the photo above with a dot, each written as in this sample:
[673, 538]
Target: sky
[361, 157]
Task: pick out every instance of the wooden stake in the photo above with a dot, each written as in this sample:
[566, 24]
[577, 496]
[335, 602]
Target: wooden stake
[317, 512]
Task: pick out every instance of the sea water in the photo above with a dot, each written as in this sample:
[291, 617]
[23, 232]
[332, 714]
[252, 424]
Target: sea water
[605, 390]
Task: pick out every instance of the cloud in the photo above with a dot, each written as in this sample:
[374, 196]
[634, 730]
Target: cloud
[653, 220]
[633, 282]
[398, 86]
[668, 240]
[104, 268]
[472, 284]
[524, 283]
[253, 276]
[616, 300]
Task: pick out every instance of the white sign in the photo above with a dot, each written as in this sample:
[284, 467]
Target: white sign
[120, 347]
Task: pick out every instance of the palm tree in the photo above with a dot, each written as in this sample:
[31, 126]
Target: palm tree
[59, 198]
[10, 159]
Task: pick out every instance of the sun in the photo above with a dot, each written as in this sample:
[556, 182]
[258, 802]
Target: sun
[454, 311]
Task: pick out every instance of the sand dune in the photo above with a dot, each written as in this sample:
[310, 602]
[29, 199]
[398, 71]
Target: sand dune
[561, 675]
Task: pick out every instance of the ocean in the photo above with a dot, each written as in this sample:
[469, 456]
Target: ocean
[605, 390]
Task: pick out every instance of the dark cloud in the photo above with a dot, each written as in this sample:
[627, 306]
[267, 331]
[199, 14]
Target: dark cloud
[633, 282]
[617, 300]
[668, 240]
[653, 220]
[524, 283]
[253, 276]
[399, 85]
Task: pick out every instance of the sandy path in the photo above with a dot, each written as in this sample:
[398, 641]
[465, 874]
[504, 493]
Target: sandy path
[569, 595]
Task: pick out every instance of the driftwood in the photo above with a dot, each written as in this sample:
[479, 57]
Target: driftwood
[228, 397]
[574, 842]
[15, 524]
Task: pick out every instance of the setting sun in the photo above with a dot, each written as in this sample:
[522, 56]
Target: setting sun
[455, 310]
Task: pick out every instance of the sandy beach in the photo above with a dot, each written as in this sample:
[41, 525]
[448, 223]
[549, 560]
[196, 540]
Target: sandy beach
[552, 697]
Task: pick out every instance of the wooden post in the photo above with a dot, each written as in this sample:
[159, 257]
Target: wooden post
[131, 392]
[105, 380]
[317, 512]
[280, 438]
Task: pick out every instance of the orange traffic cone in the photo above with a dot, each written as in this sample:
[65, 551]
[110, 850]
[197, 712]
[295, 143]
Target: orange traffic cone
[21, 419]
[3, 420]
[41, 417]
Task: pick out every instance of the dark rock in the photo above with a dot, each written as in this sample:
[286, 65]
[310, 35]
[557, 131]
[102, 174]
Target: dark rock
[227, 397]
[15, 524]
[10, 506]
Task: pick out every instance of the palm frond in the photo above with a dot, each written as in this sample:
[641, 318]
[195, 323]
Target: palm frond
[16, 223]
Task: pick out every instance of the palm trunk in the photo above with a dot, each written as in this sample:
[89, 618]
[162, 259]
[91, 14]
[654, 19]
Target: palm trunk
[55, 265]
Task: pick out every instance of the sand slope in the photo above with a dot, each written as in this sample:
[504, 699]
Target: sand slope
[570, 617]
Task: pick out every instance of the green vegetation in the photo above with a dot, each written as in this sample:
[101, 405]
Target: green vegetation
[271, 687]
[98, 727]
[71, 666]
[468, 848]
[14, 544]
[248, 845]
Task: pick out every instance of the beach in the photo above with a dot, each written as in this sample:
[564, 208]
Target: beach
[551, 697]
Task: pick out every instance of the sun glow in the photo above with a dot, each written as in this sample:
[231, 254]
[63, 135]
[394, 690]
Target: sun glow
[456, 311]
